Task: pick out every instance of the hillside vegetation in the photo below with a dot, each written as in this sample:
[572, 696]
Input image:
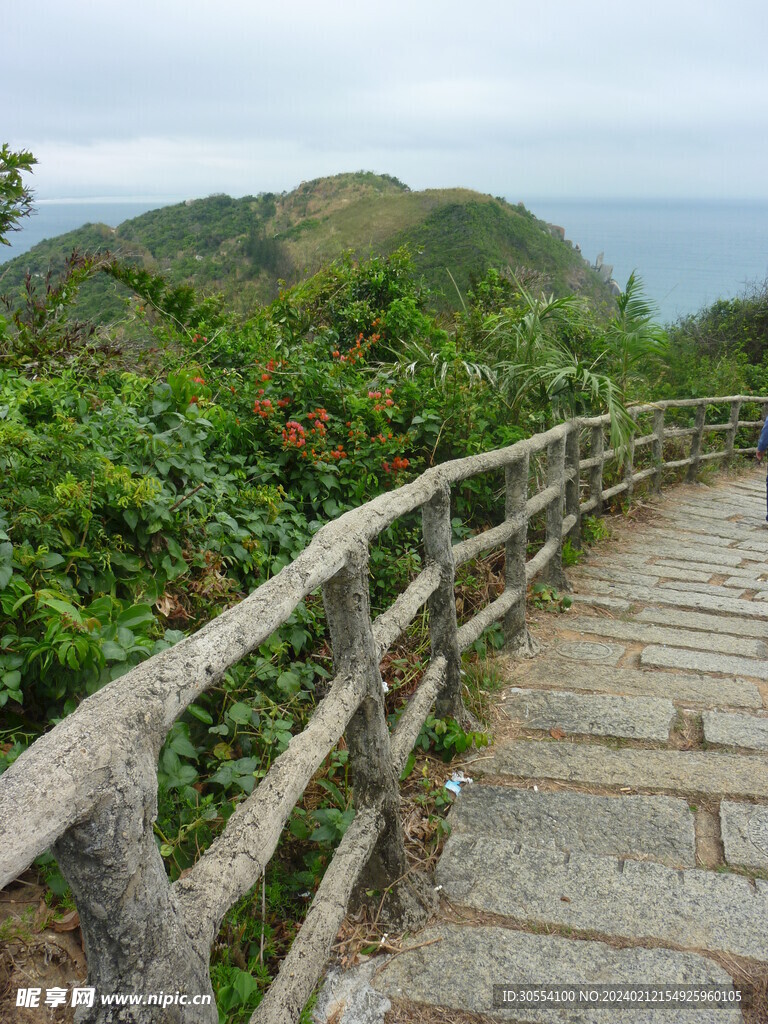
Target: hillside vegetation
[244, 248]
[146, 488]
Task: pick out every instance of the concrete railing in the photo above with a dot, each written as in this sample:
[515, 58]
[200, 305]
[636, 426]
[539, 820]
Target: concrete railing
[88, 789]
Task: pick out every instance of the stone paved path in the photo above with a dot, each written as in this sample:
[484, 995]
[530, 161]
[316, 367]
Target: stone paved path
[617, 831]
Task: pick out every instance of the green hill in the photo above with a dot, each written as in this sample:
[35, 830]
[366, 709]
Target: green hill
[245, 247]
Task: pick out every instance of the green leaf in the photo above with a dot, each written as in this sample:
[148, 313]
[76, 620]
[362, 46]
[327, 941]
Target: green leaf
[101, 609]
[240, 713]
[408, 768]
[112, 651]
[183, 776]
[63, 607]
[136, 615]
[11, 680]
[289, 683]
[200, 714]
[244, 986]
[183, 746]
[51, 560]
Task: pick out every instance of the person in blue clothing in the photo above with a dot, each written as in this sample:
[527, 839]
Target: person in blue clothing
[762, 446]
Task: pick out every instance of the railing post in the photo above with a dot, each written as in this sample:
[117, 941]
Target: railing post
[733, 426]
[375, 784]
[516, 634]
[657, 448]
[436, 525]
[554, 574]
[597, 450]
[573, 483]
[629, 469]
[135, 937]
[693, 469]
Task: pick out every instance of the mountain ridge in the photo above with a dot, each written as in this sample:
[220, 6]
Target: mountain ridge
[249, 248]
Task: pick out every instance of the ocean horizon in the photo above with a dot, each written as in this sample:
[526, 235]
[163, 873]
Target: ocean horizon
[689, 253]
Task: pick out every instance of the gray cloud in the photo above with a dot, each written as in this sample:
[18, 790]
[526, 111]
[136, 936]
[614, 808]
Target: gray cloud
[190, 97]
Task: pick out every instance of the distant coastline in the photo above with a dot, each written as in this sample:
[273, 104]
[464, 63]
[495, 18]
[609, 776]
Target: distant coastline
[53, 217]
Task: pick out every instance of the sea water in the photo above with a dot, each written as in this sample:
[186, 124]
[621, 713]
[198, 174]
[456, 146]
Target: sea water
[688, 253]
[52, 217]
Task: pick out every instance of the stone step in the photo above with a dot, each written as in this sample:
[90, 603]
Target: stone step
[760, 546]
[739, 583]
[722, 624]
[693, 908]
[555, 673]
[644, 718]
[749, 487]
[680, 538]
[695, 571]
[713, 589]
[744, 828]
[710, 773]
[703, 661]
[718, 510]
[599, 625]
[676, 598]
[752, 572]
[746, 731]
[644, 577]
[590, 651]
[693, 527]
[456, 967]
[614, 604]
[723, 505]
[662, 548]
[657, 827]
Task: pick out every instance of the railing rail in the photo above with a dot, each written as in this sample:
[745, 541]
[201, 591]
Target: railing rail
[88, 789]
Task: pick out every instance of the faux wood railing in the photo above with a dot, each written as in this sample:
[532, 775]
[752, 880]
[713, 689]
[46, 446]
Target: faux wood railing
[88, 788]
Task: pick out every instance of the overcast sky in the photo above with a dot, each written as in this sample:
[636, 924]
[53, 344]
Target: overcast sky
[555, 98]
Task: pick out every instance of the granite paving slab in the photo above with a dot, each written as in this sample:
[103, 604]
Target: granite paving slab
[744, 828]
[599, 625]
[682, 771]
[676, 598]
[713, 589]
[552, 673]
[717, 511]
[760, 546]
[663, 548]
[657, 827]
[693, 908]
[759, 587]
[456, 967]
[703, 661]
[751, 572]
[588, 651]
[646, 577]
[693, 527]
[746, 731]
[614, 604]
[728, 625]
[694, 541]
[631, 717]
